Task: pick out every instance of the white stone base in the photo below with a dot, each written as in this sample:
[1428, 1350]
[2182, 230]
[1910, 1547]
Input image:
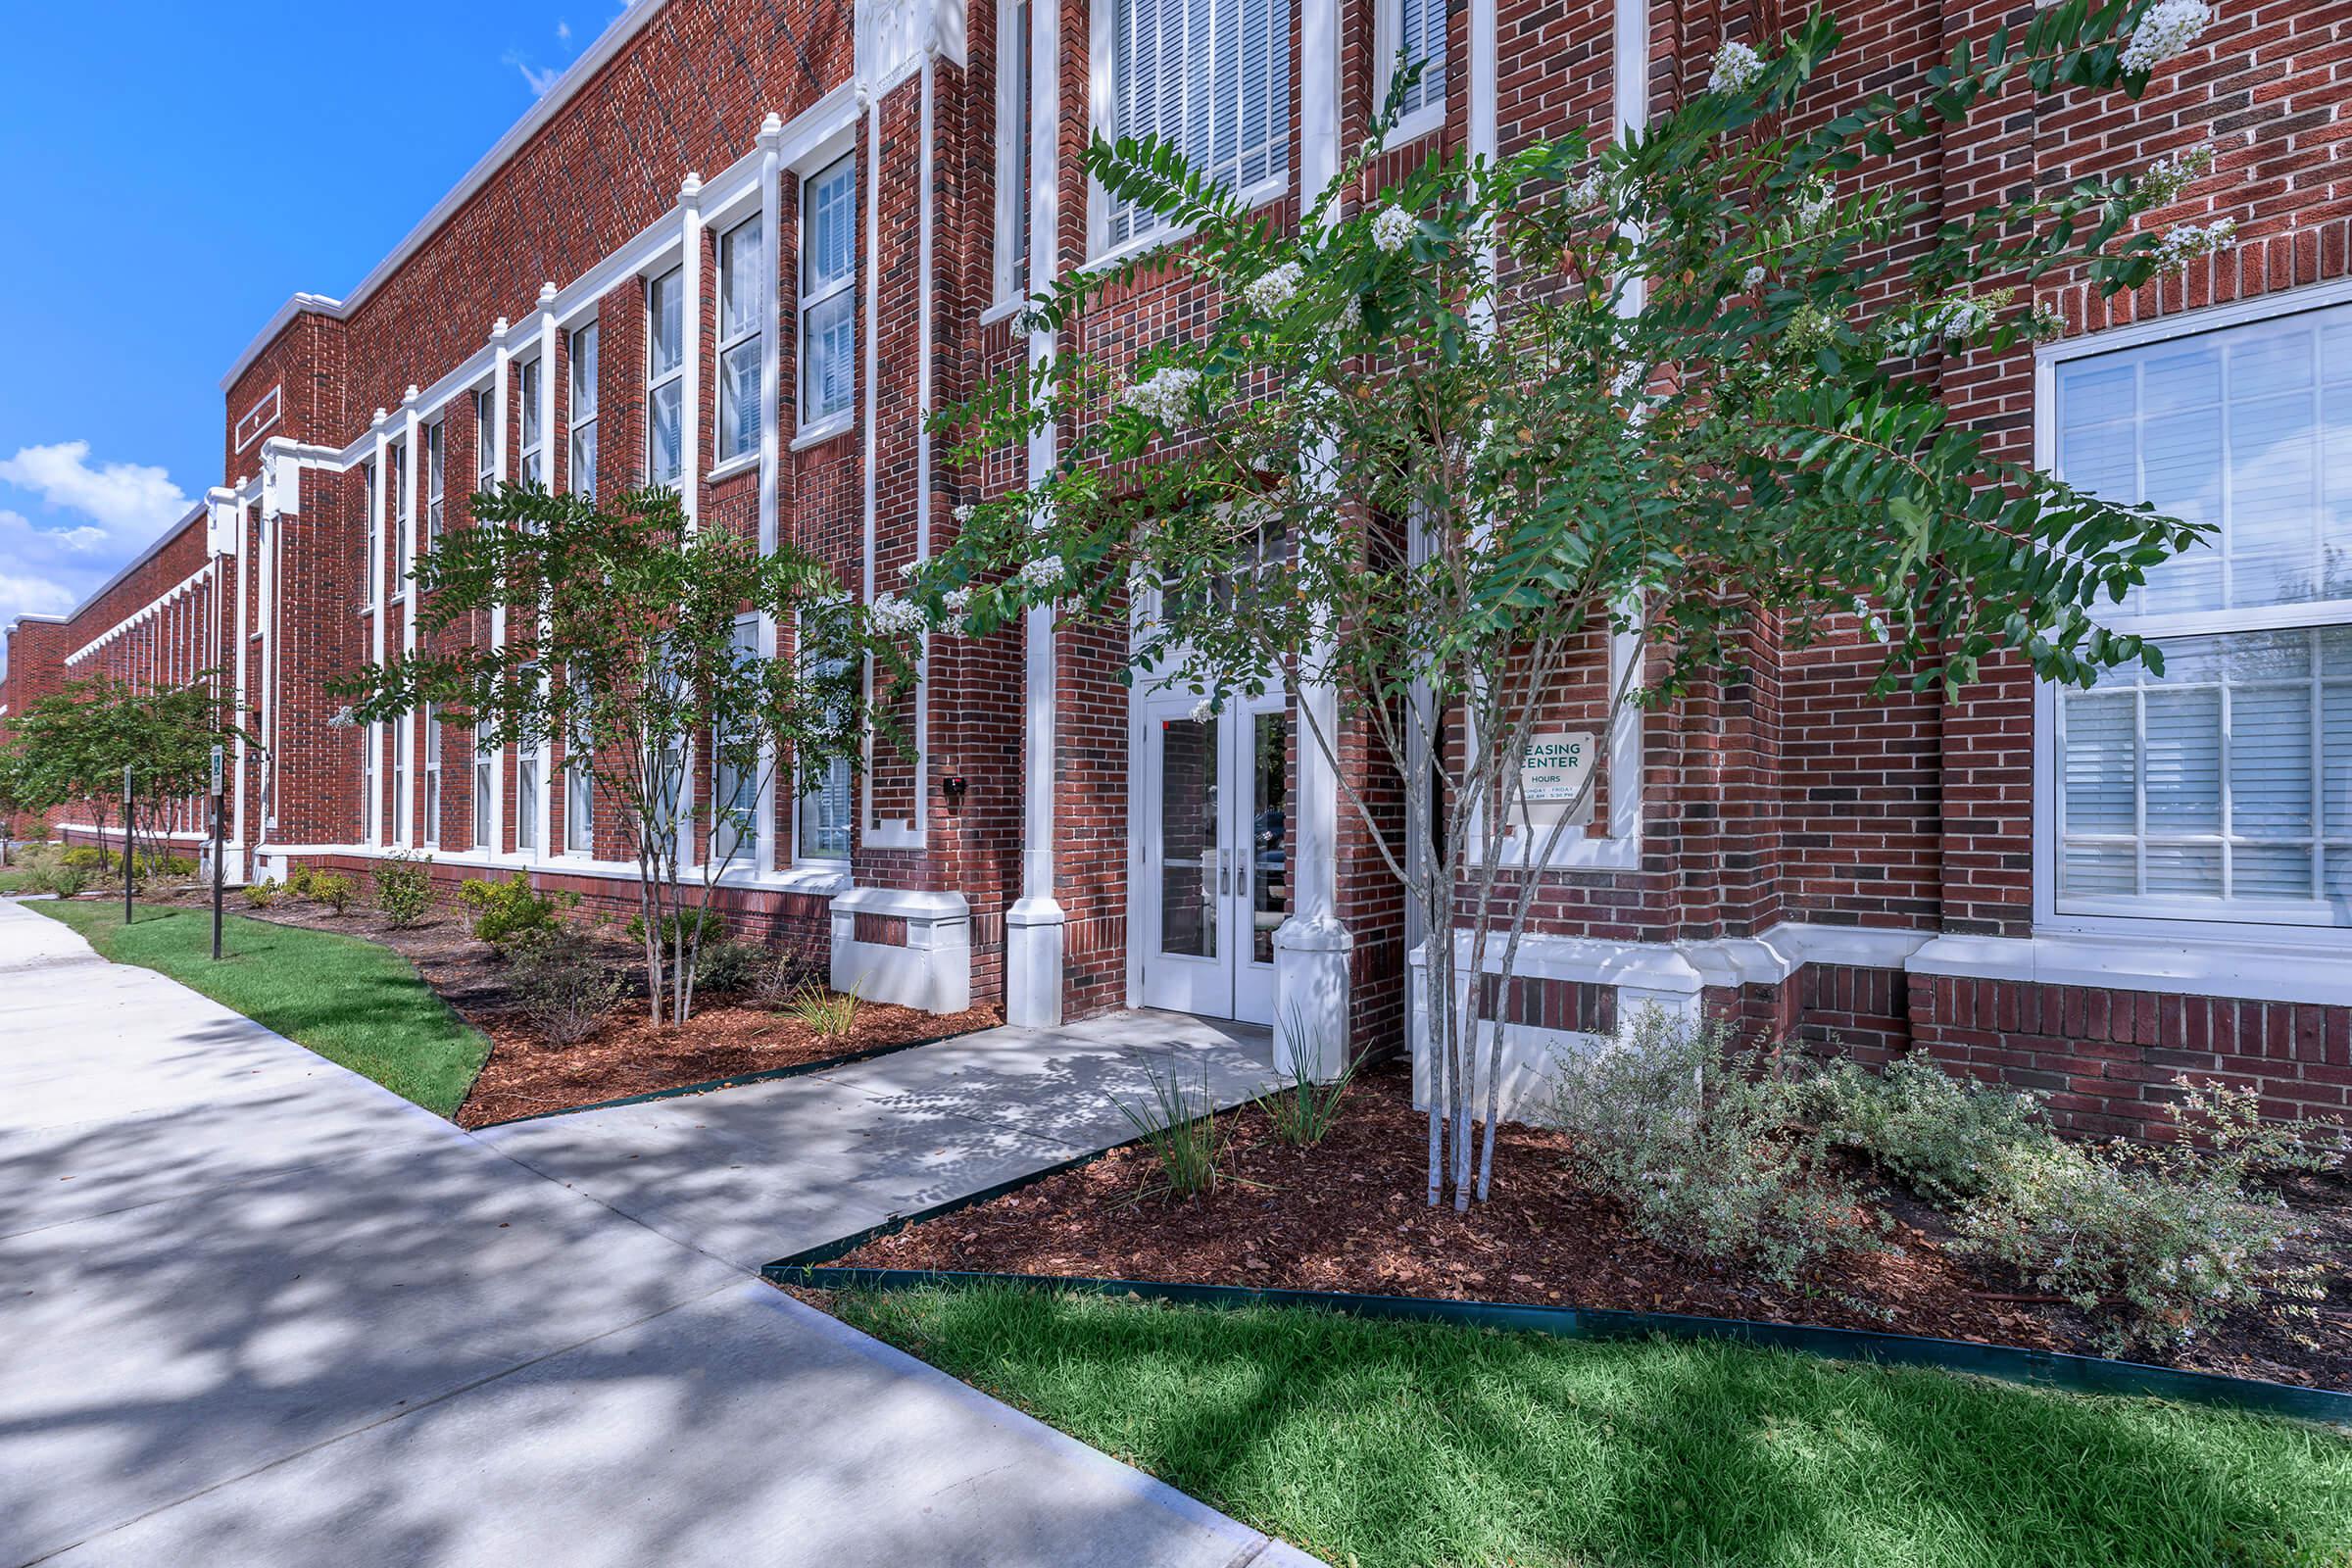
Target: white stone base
[932, 973]
[1033, 947]
[1310, 996]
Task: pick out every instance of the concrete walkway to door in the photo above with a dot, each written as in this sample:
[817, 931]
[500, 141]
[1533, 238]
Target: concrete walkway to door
[254, 1310]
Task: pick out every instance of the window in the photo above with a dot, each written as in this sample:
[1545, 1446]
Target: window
[734, 786]
[579, 786]
[436, 474]
[402, 733]
[371, 735]
[371, 542]
[1013, 149]
[433, 775]
[664, 378]
[1417, 29]
[826, 812]
[1209, 77]
[2220, 789]
[482, 799]
[404, 516]
[742, 274]
[583, 411]
[527, 802]
[534, 438]
[485, 439]
[828, 302]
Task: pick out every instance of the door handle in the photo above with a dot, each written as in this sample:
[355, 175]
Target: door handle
[1224, 873]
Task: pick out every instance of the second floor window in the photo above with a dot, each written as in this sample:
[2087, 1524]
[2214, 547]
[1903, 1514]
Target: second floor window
[485, 439]
[1415, 30]
[583, 411]
[534, 434]
[742, 274]
[1212, 78]
[828, 302]
[665, 377]
[436, 478]
[372, 546]
[403, 514]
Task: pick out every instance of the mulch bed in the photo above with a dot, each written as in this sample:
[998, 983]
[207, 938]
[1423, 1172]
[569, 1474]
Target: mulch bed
[528, 1077]
[1350, 1215]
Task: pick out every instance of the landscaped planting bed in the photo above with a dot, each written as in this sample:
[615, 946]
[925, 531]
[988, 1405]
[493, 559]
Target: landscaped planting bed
[1349, 1214]
[528, 1075]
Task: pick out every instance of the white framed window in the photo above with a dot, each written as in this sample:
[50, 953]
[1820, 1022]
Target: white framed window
[582, 468]
[827, 809]
[403, 514]
[436, 481]
[1414, 33]
[370, 736]
[373, 541]
[1013, 149]
[828, 299]
[735, 790]
[432, 777]
[1209, 77]
[485, 438]
[528, 384]
[579, 788]
[527, 802]
[403, 732]
[742, 275]
[665, 377]
[2221, 789]
[481, 800]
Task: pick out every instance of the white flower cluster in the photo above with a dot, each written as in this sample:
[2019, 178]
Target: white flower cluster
[1391, 228]
[906, 573]
[1351, 313]
[2186, 243]
[1751, 277]
[1162, 395]
[957, 601]
[2171, 26]
[1813, 203]
[1044, 574]
[2175, 172]
[1955, 319]
[964, 512]
[897, 617]
[1270, 292]
[1736, 65]
[1629, 380]
[1585, 192]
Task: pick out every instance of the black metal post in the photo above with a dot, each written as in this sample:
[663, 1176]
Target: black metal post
[216, 843]
[127, 842]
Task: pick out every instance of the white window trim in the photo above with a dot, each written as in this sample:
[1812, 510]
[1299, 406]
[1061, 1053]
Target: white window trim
[252, 424]
[485, 437]
[404, 516]
[722, 461]
[430, 833]
[820, 427]
[375, 542]
[1103, 120]
[1010, 262]
[1388, 37]
[2178, 921]
[656, 382]
[436, 478]
[576, 423]
[529, 398]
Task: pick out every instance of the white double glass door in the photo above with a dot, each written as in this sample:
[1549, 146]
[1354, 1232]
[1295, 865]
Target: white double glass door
[1216, 841]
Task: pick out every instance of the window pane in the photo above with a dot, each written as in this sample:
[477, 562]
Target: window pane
[526, 803]
[738, 268]
[825, 814]
[583, 460]
[665, 458]
[830, 339]
[829, 245]
[584, 373]
[739, 402]
[1212, 77]
[527, 400]
[666, 326]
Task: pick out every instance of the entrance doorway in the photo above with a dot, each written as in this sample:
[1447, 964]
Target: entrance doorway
[1215, 840]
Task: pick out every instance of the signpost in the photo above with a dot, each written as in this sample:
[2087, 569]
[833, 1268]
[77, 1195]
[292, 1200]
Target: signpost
[216, 842]
[127, 842]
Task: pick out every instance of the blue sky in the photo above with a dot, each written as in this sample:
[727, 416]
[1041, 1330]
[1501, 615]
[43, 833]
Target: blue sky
[138, 152]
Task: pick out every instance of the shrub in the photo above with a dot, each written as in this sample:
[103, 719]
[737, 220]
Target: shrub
[506, 910]
[404, 887]
[780, 981]
[298, 880]
[66, 880]
[561, 985]
[828, 1014]
[2156, 1243]
[725, 967]
[261, 894]
[1303, 1111]
[1944, 1137]
[713, 924]
[172, 866]
[91, 857]
[1703, 1147]
[334, 890]
[1181, 1129]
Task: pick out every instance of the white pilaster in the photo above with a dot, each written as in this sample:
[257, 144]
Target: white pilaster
[1035, 925]
[690, 396]
[374, 813]
[772, 211]
[502, 369]
[405, 833]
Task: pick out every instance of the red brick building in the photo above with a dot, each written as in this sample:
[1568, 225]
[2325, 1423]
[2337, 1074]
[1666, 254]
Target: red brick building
[744, 249]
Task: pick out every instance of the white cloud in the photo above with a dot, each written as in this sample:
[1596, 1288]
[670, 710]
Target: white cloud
[32, 596]
[536, 78]
[563, 32]
[127, 501]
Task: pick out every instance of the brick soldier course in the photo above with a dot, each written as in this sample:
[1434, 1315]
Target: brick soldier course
[1790, 851]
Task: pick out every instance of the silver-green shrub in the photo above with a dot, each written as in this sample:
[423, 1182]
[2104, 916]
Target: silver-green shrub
[1704, 1146]
[1944, 1137]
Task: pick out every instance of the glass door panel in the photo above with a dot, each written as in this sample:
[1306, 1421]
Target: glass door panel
[1190, 841]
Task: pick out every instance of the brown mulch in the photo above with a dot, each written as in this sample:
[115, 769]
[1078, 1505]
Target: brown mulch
[1351, 1214]
[525, 1076]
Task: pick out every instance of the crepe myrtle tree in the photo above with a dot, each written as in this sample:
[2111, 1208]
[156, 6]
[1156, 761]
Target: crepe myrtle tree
[70, 747]
[627, 642]
[1436, 453]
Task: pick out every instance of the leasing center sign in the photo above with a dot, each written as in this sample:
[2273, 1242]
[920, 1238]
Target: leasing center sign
[1556, 766]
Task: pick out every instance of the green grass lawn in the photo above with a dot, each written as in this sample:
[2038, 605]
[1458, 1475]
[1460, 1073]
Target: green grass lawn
[352, 1002]
[1387, 1444]
[15, 879]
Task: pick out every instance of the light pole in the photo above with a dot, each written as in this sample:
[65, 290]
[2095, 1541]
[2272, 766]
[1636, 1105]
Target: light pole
[217, 841]
[128, 842]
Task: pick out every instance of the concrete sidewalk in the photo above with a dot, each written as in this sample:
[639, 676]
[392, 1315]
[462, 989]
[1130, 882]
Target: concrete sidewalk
[256, 1311]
